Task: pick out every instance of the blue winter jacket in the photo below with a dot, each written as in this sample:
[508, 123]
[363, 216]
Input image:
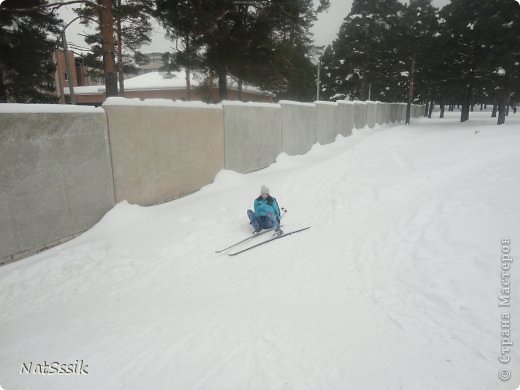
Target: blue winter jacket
[264, 207]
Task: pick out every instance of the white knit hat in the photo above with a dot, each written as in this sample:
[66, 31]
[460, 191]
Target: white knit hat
[264, 189]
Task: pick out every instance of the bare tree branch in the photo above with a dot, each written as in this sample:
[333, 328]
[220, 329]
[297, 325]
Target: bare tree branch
[56, 6]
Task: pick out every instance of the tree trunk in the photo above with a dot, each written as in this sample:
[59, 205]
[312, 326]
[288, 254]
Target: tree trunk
[464, 114]
[222, 82]
[188, 83]
[107, 36]
[410, 91]
[120, 73]
[187, 41]
[3, 89]
[501, 110]
[430, 110]
[239, 92]
[503, 104]
[210, 87]
[494, 112]
[362, 95]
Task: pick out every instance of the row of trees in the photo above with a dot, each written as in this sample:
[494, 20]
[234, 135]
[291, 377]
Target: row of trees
[468, 52]
[264, 42]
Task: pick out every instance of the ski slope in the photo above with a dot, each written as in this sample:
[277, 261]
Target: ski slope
[395, 286]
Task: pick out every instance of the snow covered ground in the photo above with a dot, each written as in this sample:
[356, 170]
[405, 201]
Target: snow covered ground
[395, 286]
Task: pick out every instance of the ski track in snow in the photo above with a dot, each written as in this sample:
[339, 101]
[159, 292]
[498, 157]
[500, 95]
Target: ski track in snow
[394, 287]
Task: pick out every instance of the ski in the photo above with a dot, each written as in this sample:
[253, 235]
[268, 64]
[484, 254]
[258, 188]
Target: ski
[266, 241]
[245, 240]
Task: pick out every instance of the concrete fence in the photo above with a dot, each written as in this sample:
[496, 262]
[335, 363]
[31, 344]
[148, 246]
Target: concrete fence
[298, 127]
[345, 118]
[62, 167]
[327, 126]
[160, 152]
[55, 176]
[253, 135]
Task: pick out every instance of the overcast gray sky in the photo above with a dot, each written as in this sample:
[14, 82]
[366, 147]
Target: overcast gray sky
[325, 29]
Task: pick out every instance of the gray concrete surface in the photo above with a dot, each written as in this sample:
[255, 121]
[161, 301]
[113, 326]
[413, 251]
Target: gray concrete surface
[360, 114]
[55, 178]
[380, 113]
[371, 113]
[253, 135]
[163, 152]
[326, 122]
[298, 127]
[345, 117]
[393, 112]
[387, 113]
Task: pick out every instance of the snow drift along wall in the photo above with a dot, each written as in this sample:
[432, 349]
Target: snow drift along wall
[56, 176]
[60, 173]
[162, 150]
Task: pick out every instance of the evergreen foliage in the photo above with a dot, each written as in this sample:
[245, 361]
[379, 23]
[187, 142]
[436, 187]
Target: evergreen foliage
[256, 41]
[27, 41]
[466, 53]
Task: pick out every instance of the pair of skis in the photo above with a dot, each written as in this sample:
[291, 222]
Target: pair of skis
[276, 237]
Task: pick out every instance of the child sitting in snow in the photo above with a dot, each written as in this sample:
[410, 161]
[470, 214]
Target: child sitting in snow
[266, 214]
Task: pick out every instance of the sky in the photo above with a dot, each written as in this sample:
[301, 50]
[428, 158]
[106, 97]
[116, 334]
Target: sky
[324, 30]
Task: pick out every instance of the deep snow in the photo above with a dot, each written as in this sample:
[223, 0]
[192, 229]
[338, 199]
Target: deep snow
[395, 286]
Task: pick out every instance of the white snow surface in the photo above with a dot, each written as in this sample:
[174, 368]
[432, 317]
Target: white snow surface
[121, 101]
[18, 108]
[395, 286]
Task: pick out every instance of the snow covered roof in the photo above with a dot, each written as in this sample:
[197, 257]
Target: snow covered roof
[159, 80]
[162, 80]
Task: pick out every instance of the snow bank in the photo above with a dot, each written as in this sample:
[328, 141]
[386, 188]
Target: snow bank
[395, 286]
[121, 101]
[18, 108]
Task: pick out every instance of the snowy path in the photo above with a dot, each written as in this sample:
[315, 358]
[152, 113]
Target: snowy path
[395, 286]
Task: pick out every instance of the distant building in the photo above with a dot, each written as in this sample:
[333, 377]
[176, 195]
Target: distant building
[151, 84]
[170, 85]
[80, 75]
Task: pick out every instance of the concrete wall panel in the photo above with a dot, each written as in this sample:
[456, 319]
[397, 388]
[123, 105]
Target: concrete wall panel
[380, 113]
[326, 122]
[345, 117]
[55, 177]
[298, 127]
[162, 152]
[371, 114]
[388, 110]
[253, 135]
[360, 114]
[393, 112]
[402, 112]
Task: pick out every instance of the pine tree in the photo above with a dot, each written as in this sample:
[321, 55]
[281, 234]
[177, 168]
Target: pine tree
[255, 41]
[498, 32]
[365, 53]
[465, 50]
[26, 49]
[416, 39]
[131, 26]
